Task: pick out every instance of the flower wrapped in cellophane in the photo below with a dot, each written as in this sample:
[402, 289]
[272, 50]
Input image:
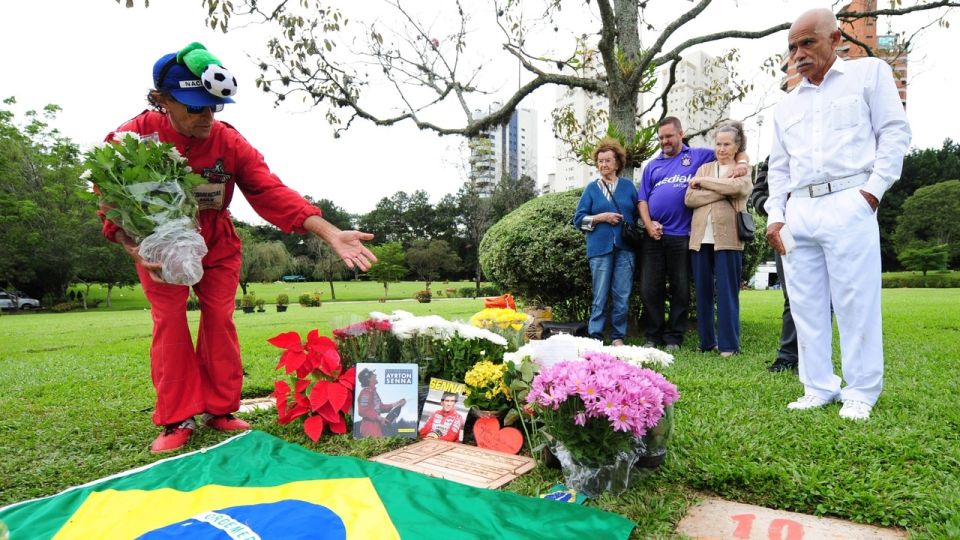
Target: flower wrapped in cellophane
[146, 187]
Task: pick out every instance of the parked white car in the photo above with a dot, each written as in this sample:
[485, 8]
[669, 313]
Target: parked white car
[22, 301]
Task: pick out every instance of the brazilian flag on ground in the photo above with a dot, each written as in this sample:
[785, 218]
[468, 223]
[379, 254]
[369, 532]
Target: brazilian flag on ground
[256, 486]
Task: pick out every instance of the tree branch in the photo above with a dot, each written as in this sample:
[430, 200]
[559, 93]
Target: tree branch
[648, 56]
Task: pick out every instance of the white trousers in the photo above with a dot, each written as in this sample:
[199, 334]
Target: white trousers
[836, 258]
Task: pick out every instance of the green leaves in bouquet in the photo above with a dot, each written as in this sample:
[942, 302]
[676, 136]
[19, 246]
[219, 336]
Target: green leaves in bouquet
[144, 183]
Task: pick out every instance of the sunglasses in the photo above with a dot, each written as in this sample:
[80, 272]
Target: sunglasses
[203, 108]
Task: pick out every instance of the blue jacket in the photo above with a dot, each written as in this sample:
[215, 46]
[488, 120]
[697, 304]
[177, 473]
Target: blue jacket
[605, 236]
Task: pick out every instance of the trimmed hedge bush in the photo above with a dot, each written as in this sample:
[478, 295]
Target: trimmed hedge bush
[536, 254]
[933, 280]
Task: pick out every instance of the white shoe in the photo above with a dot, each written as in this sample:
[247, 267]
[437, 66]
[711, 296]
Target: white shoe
[809, 402]
[855, 410]
[617, 343]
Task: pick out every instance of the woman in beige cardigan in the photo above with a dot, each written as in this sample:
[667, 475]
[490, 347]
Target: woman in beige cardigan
[717, 250]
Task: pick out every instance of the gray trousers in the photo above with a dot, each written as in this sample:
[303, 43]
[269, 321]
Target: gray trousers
[788, 332]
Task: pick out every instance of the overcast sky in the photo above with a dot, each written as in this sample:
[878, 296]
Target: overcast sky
[94, 59]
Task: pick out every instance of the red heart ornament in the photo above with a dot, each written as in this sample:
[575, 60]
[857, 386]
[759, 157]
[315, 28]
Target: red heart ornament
[488, 434]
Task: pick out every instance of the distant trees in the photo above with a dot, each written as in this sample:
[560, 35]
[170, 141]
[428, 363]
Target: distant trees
[46, 223]
[389, 267]
[262, 261]
[928, 225]
[923, 167]
[430, 259]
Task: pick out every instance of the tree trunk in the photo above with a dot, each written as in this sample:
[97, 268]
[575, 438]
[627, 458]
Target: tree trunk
[333, 295]
[243, 287]
[109, 292]
[477, 294]
[86, 295]
[621, 93]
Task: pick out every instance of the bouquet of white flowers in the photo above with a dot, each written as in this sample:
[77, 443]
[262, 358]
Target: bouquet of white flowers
[147, 187]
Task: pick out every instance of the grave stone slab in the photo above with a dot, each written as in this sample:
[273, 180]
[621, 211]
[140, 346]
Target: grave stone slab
[717, 519]
[461, 463]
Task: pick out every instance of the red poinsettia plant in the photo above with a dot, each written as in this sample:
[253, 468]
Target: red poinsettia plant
[322, 390]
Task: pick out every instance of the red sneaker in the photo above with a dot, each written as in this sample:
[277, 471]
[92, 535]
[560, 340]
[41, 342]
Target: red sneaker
[225, 422]
[173, 437]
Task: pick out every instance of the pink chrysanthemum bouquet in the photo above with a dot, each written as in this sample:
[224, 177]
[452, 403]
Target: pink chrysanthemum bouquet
[599, 406]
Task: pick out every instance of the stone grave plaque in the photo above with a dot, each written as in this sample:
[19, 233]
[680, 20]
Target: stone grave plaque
[461, 463]
[717, 519]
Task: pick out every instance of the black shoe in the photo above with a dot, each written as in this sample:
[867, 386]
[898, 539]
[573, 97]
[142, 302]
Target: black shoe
[782, 364]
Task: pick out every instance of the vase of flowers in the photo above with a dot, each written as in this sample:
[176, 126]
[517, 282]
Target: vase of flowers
[596, 412]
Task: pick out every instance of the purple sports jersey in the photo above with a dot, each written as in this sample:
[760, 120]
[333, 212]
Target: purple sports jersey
[664, 185]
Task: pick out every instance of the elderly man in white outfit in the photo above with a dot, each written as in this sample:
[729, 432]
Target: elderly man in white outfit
[839, 141]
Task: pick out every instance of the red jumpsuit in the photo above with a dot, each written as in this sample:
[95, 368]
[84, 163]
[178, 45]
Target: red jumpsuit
[208, 378]
[369, 407]
[445, 424]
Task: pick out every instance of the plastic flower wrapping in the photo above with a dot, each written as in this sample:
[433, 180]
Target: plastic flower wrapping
[146, 186]
[599, 405]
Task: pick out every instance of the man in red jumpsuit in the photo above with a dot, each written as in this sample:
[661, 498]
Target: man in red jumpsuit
[370, 406]
[206, 379]
[446, 423]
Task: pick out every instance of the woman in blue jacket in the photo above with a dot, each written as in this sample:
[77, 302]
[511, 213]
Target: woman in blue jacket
[605, 204]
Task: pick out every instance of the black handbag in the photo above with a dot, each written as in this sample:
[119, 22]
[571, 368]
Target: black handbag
[746, 228]
[631, 234]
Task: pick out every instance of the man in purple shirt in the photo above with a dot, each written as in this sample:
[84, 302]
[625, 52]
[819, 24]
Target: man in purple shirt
[665, 256]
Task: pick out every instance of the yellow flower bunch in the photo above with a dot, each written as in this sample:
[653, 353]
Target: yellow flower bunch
[499, 318]
[485, 388]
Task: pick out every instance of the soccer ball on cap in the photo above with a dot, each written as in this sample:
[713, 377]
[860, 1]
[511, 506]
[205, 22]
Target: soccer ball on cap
[218, 81]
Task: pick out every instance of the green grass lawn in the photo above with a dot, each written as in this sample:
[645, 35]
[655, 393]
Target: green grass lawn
[346, 291]
[76, 399]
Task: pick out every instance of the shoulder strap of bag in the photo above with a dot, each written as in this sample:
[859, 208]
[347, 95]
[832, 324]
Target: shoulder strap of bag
[612, 198]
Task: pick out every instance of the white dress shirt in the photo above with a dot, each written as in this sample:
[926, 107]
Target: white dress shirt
[853, 122]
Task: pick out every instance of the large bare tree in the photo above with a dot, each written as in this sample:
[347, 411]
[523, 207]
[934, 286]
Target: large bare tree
[422, 65]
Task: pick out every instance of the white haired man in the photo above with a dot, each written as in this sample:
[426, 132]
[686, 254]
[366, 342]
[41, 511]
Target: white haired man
[839, 141]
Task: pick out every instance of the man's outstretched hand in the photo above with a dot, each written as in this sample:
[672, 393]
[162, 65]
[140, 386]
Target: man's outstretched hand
[349, 247]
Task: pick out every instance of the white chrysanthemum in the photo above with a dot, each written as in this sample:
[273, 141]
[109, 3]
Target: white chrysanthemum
[410, 326]
[640, 356]
[175, 156]
[379, 316]
[469, 331]
[120, 135]
[85, 175]
[518, 356]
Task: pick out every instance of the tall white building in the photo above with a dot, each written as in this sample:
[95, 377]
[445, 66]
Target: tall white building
[514, 150]
[695, 74]
[571, 172]
[696, 96]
